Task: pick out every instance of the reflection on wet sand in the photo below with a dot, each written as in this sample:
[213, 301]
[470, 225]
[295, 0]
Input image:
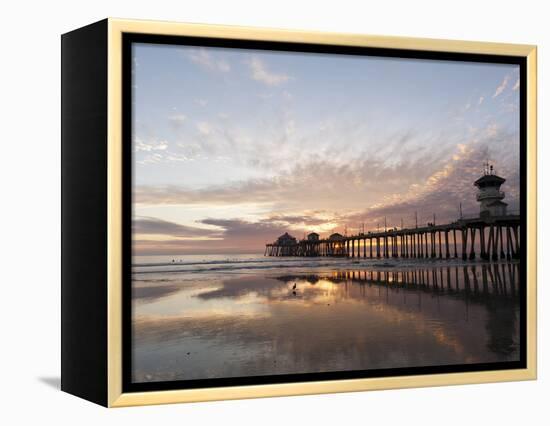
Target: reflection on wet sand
[305, 321]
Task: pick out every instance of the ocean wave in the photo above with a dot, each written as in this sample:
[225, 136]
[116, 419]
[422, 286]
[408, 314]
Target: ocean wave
[218, 262]
[230, 267]
[325, 263]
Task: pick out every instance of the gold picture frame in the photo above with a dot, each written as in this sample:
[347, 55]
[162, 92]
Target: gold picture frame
[115, 29]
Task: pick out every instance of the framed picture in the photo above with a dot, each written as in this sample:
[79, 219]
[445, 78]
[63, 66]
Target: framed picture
[251, 212]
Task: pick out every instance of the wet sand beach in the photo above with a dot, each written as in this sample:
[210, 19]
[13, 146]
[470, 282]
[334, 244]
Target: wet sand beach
[218, 317]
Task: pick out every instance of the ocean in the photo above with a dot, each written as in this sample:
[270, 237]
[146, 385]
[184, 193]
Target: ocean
[218, 316]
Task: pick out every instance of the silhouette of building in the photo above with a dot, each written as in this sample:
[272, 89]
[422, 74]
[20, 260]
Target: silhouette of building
[286, 240]
[313, 236]
[489, 194]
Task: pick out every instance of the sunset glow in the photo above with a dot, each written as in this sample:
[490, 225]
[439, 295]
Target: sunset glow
[232, 148]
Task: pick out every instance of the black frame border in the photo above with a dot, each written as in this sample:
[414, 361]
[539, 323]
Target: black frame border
[129, 38]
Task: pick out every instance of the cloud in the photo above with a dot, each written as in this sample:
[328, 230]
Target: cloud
[307, 220]
[445, 190]
[325, 190]
[259, 72]
[204, 128]
[240, 228]
[176, 158]
[207, 61]
[177, 118]
[242, 234]
[232, 236]
[318, 184]
[481, 99]
[502, 86]
[325, 182]
[516, 86]
[439, 193]
[284, 140]
[223, 235]
[141, 146]
[150, 225]
[492, 130]
[151, 159]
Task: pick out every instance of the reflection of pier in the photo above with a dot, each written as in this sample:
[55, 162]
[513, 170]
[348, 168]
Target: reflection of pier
[488, 237]
[496, 279]
[492, 235]
[494, 287]
[500, 279]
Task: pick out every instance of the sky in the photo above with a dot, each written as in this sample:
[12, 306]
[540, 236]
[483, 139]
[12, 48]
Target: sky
[234, 147]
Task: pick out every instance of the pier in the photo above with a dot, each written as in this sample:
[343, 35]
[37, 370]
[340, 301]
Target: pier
[489, 238]
[493, 235]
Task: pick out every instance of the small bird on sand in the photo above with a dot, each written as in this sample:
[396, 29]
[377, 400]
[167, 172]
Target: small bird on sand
[294, 286]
